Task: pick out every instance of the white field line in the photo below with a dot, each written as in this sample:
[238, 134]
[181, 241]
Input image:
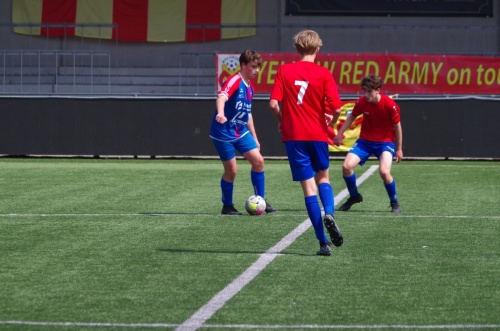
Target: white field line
[422, 216]
[339, 326]
[199, 318]
[13, 215]
[100, 215]
[261, 327]
[87, 325]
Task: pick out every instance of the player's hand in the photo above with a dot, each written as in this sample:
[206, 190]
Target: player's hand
[399, 156]
[329, 119]
[337, 140]
[220, 119]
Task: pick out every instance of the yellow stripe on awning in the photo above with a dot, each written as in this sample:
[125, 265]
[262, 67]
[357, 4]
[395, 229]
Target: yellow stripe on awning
[27, 12]
[238, 12]
[94, 12]
[167, 20]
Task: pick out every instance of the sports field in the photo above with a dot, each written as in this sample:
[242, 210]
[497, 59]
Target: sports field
[96, 244]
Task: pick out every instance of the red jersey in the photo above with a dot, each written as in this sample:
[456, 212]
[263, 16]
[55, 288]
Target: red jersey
[378, 119]
[307, 91]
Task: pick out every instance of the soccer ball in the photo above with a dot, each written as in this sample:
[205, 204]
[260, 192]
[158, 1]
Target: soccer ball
[255, 205]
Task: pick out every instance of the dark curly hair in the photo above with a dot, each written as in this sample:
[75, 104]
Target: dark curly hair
[371, 82]
[249, 56]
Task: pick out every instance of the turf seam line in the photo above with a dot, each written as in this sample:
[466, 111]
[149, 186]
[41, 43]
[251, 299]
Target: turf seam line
[364, 327]
[203, 314]
[364, 215]
[253, 326]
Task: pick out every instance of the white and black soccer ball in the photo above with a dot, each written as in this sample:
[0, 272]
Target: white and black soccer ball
[255, 205]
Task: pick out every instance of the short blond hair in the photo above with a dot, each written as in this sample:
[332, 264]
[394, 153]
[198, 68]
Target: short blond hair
[307, 41]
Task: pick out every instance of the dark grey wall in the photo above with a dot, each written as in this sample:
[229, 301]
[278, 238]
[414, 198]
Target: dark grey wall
[175, 127]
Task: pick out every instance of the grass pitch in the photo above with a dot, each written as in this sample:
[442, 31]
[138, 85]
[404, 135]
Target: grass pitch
[140, 244]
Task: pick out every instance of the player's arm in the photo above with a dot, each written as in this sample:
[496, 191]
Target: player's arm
[229, 88]
[333, 105]
[220, 103]
[399, 141]
[337, 140]
[274, 106]
[333, 118]
[276, 95]
[251, 128]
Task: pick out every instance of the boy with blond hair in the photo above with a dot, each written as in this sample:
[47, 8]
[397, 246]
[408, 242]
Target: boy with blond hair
[309, 104]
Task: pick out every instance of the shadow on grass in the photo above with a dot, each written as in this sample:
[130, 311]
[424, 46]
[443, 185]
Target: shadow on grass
[176, 250]
[297, 213]
[152, 214]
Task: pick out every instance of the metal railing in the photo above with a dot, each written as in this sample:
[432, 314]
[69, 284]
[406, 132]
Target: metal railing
[54, 71]
[34, 64]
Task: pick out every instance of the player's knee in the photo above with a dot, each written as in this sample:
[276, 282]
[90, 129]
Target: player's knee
[229, 177]
[258, 164]
[386, 175]
[230, 173]
[347, 170]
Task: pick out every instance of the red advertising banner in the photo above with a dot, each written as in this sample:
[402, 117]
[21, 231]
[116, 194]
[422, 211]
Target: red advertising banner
[402, 73]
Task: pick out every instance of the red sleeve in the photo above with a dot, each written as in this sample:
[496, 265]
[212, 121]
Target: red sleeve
[277, 92]
[396, 118]
[332, 95]
[230, 86]
[393, 111]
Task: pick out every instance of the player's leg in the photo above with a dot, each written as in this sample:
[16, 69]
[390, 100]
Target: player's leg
[302, 171]
[257, 174]
[313, 209]
[320, 163]
[327, 199]
[385, 161]
[227, 187]
[350, 162]
[385, 165]
[325, 191]
[248, 148]
[228, 158]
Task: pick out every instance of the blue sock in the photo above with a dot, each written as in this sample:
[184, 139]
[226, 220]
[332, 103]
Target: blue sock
[259, 183]
[350, 182]
[326, 196]
[227, 192]
[314, 212]
[391, 191]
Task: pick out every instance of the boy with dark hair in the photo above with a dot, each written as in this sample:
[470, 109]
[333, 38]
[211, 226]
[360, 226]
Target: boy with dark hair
[381, 135]
[233, 128]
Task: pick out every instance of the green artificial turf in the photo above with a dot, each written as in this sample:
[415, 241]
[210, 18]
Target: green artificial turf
[140, 244]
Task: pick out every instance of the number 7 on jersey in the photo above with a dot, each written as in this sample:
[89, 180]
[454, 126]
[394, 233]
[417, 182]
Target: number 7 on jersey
[303, 87]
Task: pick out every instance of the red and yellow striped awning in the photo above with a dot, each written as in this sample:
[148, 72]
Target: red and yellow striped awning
[137, 20]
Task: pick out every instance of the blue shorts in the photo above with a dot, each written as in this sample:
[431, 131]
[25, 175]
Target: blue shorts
[306, 158]
[242, 145]
[363, 149]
